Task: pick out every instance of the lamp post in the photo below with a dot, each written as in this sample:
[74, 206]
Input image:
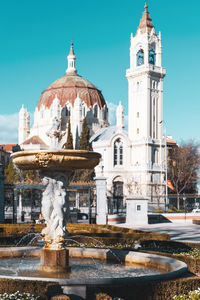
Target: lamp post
[184, 201]
[165, 159]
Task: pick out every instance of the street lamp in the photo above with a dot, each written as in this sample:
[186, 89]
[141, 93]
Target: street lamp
[184, 201]
[166, 188]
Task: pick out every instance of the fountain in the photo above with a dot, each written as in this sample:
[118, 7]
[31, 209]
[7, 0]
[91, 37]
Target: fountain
[55, 167]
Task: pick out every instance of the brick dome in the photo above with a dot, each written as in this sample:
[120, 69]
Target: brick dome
[67, 88]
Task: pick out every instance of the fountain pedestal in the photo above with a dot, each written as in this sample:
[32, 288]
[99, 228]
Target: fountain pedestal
[54, 261]
[55, 167]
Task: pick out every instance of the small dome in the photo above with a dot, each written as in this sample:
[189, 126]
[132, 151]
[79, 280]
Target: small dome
[67, 88]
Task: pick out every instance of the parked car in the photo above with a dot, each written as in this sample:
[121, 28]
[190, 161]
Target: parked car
[82, 216]
[196, 210]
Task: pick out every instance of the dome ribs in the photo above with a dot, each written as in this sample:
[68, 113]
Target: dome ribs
[67, 88]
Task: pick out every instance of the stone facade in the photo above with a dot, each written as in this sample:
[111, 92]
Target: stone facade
[137, 158]
[70, 97]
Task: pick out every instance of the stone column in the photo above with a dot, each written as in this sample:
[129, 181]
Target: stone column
[101, 200]
[2, 178]
[19, 215]
[15, 200]
[77, 199]
[136, 211]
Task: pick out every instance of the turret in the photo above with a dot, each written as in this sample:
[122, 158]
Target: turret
[24, 125]
[120, 116]
[56, 107]
[71, 61]
[76, 122]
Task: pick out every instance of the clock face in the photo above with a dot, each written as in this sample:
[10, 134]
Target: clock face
[140, 57]
[152, 57]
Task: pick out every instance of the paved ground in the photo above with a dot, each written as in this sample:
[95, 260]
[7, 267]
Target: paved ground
[178, 232]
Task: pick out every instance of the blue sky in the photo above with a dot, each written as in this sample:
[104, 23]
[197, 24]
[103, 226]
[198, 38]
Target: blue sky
[35, 39]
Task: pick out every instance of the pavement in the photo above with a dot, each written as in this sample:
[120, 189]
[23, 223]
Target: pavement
[177, 231]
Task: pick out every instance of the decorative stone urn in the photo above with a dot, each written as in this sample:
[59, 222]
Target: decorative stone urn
[55, 167]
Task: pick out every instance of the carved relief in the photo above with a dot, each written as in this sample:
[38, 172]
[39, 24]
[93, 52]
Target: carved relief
[42, 159]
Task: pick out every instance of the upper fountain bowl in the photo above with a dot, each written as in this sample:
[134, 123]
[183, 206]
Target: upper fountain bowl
[56, 160]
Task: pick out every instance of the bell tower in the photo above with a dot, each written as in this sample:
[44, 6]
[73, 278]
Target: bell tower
[145, 82]
[145, 100]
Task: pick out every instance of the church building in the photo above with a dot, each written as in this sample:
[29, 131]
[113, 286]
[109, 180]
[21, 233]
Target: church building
[133, 161]
[70, 97]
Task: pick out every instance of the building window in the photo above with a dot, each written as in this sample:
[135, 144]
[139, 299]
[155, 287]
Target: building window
[152, 57]
[138, 130]
[118, 153]
[68, 112]
[138, 207]
[140, 57]
[138, 114]
[95, 111]
[83, 110]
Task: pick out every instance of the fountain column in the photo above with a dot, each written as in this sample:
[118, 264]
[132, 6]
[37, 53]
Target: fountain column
[55, 210]
[55, 167]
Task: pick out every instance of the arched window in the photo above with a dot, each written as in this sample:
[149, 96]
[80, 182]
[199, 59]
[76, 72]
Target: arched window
[83, 111]
[68, 111]
[95, 111]
[118, 153]
[140, 57]
[152, 56]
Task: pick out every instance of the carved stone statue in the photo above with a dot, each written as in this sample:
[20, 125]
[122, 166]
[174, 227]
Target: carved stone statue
[54, 210]
[47, 199]
[55, 125]
[58, 215]
[55, 133]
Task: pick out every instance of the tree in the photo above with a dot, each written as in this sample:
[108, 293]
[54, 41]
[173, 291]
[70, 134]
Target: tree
[84, 138]
[11, 174]
[85, 175]
[69, 142]
[14, 175]
[183, 168]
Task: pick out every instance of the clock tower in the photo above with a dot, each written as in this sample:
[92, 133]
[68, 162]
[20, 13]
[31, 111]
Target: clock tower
[145, 107]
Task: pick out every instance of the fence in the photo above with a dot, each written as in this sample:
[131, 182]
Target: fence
[23, 201]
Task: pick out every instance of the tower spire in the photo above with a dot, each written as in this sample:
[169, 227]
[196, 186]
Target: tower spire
[71, 61]
[71, 52]
[146, 6]
[146, 21]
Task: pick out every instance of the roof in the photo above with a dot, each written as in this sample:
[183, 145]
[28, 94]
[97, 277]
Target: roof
[8, 147]
[67, 88]
[71, 52]
[146, 21]
[170, 141]
[106, 133]
[34, 140]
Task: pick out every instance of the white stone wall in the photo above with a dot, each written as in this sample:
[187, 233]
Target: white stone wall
[44, 116]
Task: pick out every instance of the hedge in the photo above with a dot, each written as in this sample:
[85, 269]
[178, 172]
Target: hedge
[140, 290]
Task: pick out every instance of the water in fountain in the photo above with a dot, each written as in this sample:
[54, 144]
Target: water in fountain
[80, 268]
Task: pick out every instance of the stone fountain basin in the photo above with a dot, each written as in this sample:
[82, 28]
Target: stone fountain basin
[56, 160]
[170, 268]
